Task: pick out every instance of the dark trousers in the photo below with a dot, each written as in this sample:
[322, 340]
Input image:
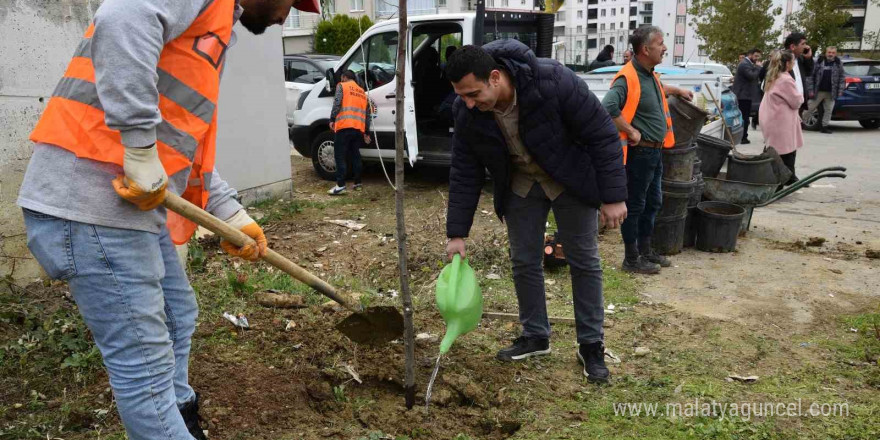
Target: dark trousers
[644, 171]
[578, 231]
[347, 144]
[788, 160]
[745, 107]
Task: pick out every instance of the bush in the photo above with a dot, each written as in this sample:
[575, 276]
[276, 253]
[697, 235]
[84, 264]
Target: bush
[336, 36]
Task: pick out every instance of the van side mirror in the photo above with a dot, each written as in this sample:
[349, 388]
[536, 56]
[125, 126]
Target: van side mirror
[331, 78]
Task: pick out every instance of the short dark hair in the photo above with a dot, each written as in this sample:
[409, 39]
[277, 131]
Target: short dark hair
[641, 36]
[793, 38]
[608, 48]
[754, 51]
[742, 54]
[348, 74]
[449, 51]
[470, 59]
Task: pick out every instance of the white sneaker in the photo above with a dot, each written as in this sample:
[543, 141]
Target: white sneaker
[336, 190]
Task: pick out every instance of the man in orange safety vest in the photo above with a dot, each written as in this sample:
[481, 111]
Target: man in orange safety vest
[350, 120]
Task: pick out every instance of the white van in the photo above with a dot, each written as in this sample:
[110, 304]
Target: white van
[373, 58]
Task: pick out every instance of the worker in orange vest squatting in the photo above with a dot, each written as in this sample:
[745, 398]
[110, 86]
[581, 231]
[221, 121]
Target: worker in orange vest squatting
[350, 121]
[134, 114]
[637, 105]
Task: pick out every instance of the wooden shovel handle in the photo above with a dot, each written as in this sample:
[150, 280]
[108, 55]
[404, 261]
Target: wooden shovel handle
[202, 218]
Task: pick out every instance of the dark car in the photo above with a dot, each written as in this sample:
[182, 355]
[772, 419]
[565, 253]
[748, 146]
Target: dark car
[307, 69]
[861, 97]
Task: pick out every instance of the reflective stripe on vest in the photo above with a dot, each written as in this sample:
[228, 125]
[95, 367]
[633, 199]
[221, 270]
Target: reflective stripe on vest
[353, 113]
[188, 84]
[633, 94]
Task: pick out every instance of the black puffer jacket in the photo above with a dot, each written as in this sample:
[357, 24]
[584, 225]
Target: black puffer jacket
[561, 123]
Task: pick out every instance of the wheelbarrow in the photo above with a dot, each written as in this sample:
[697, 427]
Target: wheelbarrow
[757, 195]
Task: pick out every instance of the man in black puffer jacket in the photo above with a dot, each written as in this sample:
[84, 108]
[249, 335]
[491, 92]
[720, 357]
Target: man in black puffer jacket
[548, 143]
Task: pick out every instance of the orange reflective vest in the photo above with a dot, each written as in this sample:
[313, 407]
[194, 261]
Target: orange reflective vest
[633, 94]
[189, 85]
[353, 113]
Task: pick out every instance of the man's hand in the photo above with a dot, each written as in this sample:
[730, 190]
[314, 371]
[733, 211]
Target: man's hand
[687, 95]
[246, 224]
[612, 215]
[367, 139]
[455, 246]
[145, 179]
[633, 137]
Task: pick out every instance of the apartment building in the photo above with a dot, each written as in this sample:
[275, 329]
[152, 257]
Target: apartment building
[584, 27]
[865, 19]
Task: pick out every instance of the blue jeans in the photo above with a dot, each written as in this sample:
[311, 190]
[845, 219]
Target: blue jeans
[578, 232]
[347, 145]
[135, 298]
[644, 171]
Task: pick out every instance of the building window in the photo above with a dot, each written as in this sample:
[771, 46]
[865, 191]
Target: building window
[505, 3]
[579, 45]
[602, 27]
[622, 39]
[677, 60]
[560, 16]
[580, 14]
[612, 27]
[580, 30]
[357, 5]
[602, 41]
[292, 21]
[591, 43]
[577, 59]
[679, 40]
[621, 11]
[602, 13]
[613, 12]
[621, 25]
[649, 7]
[703, 52]
[648, 19]
[680, 19]
[682, 1]
[580, 1]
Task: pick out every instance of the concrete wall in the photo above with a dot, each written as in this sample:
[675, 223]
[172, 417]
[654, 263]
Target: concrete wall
[37, 40]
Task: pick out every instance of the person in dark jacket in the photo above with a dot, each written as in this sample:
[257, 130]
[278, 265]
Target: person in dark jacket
[747, 88]
[824, 86]
[548, 144]
[604, 59]
[796, 42]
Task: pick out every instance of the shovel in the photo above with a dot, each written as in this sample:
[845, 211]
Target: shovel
[373, 325]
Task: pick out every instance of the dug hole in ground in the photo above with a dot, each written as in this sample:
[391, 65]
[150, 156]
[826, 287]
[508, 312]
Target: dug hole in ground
[804, 319]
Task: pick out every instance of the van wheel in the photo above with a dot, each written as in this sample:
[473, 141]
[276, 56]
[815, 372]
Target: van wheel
[322, 156]
[870, 124]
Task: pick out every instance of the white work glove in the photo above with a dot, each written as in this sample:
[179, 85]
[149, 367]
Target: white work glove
[145, 179]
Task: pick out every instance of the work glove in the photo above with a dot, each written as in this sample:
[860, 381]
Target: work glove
[246, 224]
[144, 181]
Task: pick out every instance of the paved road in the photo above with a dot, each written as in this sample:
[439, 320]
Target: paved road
[821, 210]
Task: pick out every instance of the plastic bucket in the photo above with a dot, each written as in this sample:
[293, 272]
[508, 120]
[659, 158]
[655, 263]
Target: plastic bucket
[674, 204]
[678, 163]
[690, 227]
[751, 171]
[698, 164]
[712, 153]
[697, 194]
[668, 238]
[718, 226]
[672, 186]
[687, 120]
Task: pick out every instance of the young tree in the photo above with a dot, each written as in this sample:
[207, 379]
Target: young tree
[823, 22]
[336, 36]
[730, 27]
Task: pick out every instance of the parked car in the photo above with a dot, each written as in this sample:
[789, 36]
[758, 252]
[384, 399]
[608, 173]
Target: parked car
[301, 72]
[861, 97]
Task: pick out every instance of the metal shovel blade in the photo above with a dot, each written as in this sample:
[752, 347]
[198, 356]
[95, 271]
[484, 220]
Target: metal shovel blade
[373, 326]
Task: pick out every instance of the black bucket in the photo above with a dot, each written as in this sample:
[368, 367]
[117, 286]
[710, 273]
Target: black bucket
[712, 153]
[668, 237]
[674, 204]
[673, 186]
[757, 170]
[690, 227]
[718, 226]
[687, 120]
[678, 163]
[697, 194]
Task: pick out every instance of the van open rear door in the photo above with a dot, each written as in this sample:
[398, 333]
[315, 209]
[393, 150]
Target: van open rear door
[409, 104]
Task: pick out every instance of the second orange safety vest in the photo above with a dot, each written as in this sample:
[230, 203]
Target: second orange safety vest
[633, 94]
[189, 86]
[353, 113]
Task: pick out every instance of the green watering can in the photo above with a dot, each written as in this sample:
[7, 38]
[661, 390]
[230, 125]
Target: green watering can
[459, 299]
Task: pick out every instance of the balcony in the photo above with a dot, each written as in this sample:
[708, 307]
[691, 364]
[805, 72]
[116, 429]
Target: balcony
[388, 8]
